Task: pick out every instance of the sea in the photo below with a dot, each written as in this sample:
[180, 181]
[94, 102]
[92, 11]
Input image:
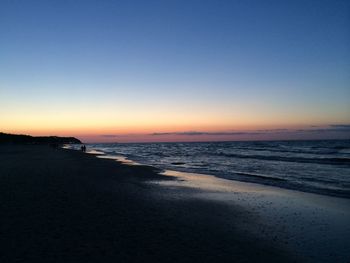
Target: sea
[321, 166]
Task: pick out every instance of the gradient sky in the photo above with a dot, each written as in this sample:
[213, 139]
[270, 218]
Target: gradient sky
[175, 70]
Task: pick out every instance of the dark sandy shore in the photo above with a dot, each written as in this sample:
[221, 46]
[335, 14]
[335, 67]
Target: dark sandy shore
[66, 206]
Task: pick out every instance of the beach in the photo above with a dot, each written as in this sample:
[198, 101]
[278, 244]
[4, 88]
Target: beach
[60, 205]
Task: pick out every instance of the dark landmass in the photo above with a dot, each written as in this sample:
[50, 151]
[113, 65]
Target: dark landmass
[27, 139]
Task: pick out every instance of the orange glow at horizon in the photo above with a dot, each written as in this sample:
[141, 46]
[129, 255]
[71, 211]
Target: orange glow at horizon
[144, 134]
[128, 125]
[42, 124]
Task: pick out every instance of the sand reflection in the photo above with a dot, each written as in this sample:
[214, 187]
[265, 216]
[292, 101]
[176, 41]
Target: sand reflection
[210, 183]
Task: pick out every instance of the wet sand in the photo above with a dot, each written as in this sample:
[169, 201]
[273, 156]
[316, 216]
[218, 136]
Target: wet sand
[67, 206]
[314, 228]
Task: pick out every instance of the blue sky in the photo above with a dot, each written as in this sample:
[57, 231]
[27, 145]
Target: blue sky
[166, 64]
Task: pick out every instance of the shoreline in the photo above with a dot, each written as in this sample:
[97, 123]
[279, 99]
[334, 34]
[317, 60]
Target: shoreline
[290, 210]
[63, 205]
[303, 222]
[125, 160]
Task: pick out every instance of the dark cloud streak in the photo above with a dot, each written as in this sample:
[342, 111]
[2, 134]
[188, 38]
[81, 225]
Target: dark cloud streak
[196, 133]
[330, 128]
[341, 126]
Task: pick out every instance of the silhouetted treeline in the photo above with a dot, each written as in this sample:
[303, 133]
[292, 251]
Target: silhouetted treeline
[27, 139]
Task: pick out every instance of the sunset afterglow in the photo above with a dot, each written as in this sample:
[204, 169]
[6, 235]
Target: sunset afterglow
[125, 72]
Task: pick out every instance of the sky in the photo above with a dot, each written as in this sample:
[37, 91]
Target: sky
[170, 70]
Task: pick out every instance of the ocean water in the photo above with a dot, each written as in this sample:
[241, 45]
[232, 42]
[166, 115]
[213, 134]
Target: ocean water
[312, 166]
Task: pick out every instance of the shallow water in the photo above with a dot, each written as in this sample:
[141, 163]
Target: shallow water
[312, 166]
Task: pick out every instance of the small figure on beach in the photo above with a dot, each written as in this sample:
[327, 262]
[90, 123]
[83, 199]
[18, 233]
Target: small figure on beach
[83, 148]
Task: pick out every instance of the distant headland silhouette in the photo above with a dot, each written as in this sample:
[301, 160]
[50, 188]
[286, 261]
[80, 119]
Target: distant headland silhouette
[27, 139]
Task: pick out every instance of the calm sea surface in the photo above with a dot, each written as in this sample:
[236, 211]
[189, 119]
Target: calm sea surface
[312, 166]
